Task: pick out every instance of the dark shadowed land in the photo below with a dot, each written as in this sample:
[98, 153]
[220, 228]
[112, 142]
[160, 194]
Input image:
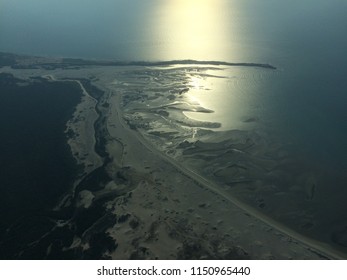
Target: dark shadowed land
[102, 163]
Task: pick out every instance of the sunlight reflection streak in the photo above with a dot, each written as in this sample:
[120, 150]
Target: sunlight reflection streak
[196, 29]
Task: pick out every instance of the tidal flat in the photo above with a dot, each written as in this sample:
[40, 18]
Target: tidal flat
[151, 178]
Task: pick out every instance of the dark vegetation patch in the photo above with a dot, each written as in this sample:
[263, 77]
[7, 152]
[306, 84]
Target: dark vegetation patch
[192, 250]
[100, 243]
[94, 181]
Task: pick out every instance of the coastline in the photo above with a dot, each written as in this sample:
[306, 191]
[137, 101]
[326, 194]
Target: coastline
[135, 197]
[37, 165]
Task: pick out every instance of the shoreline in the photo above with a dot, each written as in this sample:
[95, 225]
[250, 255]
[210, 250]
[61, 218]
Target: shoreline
[136, 196]
[35, 62]
[41, 168]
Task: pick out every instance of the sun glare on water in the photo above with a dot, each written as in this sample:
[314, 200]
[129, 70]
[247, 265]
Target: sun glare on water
[196, 29]
[195, 82]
